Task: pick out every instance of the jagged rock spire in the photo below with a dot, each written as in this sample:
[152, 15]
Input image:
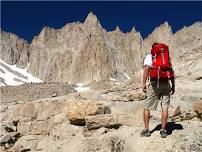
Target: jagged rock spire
[133, 30]
[92, 19]
[117, 28]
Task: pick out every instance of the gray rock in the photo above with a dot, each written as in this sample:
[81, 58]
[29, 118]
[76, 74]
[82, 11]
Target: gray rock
[10, 127]
[54, 95]
[27, 143]
[197, 107]
[2, 131]
[102, 120]
[7, 146]
[15, 136]
[78, 110]
[5, 139]
[100, 131]
[34, 127]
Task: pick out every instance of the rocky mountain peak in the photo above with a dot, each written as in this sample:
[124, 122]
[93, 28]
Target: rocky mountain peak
[117, 29]
[166, 28]
[46, 34]
[91, 19]
[161, 34]
[81, 52]
[135, 33]
[46, 30]
[92, 25]
[14, 50]
[133, 30]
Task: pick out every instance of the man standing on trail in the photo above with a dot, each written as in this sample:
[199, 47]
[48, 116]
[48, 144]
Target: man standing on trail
[158, 68]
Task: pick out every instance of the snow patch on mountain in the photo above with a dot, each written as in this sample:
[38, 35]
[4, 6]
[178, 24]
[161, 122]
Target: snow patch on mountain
[80, 87]
[12, 75]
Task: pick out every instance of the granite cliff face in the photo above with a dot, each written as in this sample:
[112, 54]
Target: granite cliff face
[187, 50]
[82, 52]
[14, 50]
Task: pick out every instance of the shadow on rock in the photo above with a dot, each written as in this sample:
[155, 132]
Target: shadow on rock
[169, 127]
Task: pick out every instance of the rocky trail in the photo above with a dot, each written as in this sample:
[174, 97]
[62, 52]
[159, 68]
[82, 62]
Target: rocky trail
[100, 121]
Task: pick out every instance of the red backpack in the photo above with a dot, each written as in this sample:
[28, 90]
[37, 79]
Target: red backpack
[162, 68]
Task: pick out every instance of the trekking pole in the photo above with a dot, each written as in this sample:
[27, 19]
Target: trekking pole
[158, 77]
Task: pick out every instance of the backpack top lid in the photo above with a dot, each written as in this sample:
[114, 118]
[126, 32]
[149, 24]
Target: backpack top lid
[158, 47]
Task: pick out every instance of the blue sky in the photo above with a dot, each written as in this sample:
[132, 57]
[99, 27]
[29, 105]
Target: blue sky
[26, 19]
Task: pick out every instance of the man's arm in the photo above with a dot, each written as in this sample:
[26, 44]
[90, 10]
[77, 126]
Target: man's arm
[173, 86]
[145, 75]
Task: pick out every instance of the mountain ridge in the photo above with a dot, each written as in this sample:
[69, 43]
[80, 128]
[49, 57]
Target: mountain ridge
[54, 54]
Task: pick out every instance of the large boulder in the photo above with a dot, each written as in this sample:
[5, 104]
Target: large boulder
[26, 112]
[197, 106]
[27, 143]
[78, 110]
[135, 95]
[34, 127]
[104, 120]
[5, 139]
[109, 121]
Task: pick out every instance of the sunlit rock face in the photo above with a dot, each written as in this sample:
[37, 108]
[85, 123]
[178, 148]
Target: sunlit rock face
[14, 50]
[82, 52]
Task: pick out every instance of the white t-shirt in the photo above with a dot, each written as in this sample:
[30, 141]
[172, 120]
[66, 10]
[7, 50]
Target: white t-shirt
[148, 60]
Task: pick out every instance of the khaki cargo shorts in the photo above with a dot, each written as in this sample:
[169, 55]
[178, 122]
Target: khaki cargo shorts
[154, 95]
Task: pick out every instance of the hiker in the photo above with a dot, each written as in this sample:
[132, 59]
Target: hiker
[158, 69]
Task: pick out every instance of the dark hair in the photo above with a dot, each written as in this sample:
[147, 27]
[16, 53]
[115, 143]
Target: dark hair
[154, 44]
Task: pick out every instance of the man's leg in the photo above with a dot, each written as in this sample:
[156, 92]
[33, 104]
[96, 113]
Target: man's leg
[164, 117]
[146, 116]
[150, 103]
[164, 105]
[165, 102]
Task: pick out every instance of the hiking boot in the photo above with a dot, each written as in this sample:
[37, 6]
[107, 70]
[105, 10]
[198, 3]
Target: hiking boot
[163, 133]
[145, 133]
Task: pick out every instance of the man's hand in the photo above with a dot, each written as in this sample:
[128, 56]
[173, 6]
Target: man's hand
[172, 90]
[144, 88]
